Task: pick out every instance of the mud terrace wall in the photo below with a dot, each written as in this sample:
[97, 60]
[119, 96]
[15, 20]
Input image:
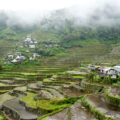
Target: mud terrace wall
[7, 87]
[30, 109]
[93, 86]
[111, 99]
[10, 112]
[95, 112]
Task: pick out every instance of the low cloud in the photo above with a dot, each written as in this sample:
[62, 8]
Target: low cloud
[87, 12]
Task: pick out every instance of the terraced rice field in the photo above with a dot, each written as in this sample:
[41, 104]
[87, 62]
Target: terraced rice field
[52, 93]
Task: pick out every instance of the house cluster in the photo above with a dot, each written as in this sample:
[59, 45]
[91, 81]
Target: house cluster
[112, 72]
[18, 57]
[29, 42]
[50, 45]
[35, 55]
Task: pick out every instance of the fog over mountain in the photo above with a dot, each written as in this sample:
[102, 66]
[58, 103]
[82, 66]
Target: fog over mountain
[87, 12]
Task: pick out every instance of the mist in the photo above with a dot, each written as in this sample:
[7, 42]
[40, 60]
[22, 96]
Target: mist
[87, 12]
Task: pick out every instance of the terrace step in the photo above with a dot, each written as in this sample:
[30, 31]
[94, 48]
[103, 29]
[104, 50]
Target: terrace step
[71, 92]
[98, 103]
[78, 113]
[17, 111]
[63, 115]
[55, 93]
[44, 94]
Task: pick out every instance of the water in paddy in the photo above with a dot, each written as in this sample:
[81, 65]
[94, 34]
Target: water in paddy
[71, 92]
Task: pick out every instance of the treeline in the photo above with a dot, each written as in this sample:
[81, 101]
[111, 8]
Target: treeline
[70, 33]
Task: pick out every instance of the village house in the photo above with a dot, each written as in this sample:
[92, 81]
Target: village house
[28, 40]
[31, 42]
[32, 46]
[10, 56]
[28, 43]
[27, 51]
[110, 72]
[14, 61]
[21, 46]
[18, 53]
[18, 59]
[117, 68]
[91, 67]
[35, 41]
[36, 55]
[31, 59]
[99, 69]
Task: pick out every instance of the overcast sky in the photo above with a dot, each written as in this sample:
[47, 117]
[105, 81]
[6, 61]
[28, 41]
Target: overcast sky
[48, 4]
[36, 4]
[33, 9]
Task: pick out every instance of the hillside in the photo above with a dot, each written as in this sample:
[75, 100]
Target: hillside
[64, 65]
[67, 38]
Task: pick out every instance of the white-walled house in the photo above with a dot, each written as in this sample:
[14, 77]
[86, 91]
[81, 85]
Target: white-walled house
[31, 59]
[110, 72]
[22, 58]
[18, 59]
[35, 41]
[10, 56]
[14, 61]
[91, 66]
[32, 46]
[28, 40]
[36, 55]
[117, 68]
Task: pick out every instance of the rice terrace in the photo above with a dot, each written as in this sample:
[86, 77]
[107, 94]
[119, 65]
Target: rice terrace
[61, 61]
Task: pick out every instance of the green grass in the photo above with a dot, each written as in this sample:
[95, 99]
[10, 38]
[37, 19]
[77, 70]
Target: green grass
[42, 104]
[2, 117]
[29, 100]
[47, 105]
[47, 80]
[82, 77]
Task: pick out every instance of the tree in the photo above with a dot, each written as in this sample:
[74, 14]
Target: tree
[1, 67]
